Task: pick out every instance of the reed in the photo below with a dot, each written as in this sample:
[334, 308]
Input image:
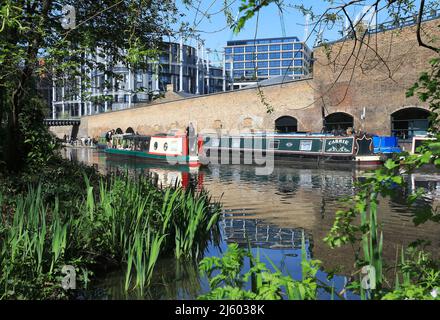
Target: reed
[119, 221]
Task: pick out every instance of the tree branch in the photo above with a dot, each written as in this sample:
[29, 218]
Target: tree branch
[419, 27]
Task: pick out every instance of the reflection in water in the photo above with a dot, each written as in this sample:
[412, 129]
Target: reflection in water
[271, 212]
[259, 234]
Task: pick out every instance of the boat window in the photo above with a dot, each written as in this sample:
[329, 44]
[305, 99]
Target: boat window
[235, 142]
[305, 145]
[215, 142]
[274, 144]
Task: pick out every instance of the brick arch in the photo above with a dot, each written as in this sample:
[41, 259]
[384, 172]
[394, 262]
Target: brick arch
[339, 120]
[399, 108]
[299, 116]
[286, 124]
[409, 121]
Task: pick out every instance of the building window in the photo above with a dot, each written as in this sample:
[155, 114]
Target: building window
[274, 47]
[238, 49]
[262, 72]
[228, 50]
[288, 46]
[239, 57]
[262, 48]
[274, 64]
[250, 56]
[262, 64]
[286, 63]
[227, 65]
[298, 46]
[286, 71]
[262, 56]
[298, 62]
[274, 72]
[250, 49]
[238, 65]
[250, 65]
[238, 73]
[287, 55]
[291, 39]
[274, 55]
[298, 54]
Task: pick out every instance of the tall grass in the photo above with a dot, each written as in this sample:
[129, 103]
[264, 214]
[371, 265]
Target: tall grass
[121, 222]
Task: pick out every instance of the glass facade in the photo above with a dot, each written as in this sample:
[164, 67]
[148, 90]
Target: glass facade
[265, 58]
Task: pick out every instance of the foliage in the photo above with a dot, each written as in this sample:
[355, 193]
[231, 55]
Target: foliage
[227, 281]
[420, 276]
[40, 145]
[116, 222]
[35, 49]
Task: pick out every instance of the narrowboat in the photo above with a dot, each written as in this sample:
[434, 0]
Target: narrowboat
[327, 148]
[102, 142]
[168, 149]
[417, 141]
[293, 147]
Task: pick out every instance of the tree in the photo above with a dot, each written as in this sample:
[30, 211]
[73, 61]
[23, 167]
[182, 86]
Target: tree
[31, 32]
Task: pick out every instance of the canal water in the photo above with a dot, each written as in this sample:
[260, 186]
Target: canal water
[272, 213]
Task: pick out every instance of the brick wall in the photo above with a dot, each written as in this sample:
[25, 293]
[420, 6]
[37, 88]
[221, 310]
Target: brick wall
[388, 63]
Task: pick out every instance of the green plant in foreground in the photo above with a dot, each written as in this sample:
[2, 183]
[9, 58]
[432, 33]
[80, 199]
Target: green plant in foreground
[227, 280]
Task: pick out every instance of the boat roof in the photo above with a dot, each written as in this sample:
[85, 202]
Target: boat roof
[122, 135]
[137, 136]
[274, 134]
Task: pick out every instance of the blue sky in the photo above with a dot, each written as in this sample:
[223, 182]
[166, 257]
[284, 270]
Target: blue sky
[215, 32]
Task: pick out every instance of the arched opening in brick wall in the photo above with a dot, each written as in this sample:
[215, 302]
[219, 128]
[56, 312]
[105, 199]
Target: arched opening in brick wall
[286, 124]
[129, 130]
[119, 131]
[338, 122]
[409, 122]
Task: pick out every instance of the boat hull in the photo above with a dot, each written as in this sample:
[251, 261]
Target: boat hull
[322, 149]
[163, 159]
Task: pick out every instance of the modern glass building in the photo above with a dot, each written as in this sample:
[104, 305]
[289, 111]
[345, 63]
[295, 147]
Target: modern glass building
[186, 68]
[253, 60]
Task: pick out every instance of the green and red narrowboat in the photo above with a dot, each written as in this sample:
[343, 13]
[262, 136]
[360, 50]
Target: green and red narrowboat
[170, 149]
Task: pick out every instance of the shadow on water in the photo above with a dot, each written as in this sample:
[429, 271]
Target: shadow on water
[272, 212]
